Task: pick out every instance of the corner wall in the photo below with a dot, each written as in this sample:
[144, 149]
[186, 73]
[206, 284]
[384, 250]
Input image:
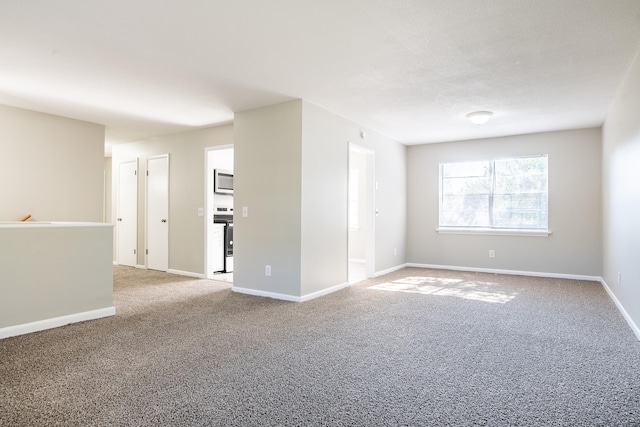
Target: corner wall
[267, 180]
[291, 171]
[621, 197]
[574, 248]
[51, 167]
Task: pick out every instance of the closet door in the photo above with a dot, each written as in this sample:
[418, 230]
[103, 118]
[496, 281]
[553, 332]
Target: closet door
[158, 213]
[127, 213]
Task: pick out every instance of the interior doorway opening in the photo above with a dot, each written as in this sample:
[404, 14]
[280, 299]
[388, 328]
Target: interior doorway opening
[216, 260]
[361, 212]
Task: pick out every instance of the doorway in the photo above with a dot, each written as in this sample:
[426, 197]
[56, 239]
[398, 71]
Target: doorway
[220, 158]
[361, 212]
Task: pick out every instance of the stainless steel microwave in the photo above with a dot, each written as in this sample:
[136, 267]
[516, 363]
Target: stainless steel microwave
[222, 181]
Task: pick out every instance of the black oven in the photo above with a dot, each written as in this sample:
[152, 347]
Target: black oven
[227, 220]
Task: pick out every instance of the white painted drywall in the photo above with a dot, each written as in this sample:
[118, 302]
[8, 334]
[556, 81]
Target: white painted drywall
[186, 190]
[325, 157]
[621, 194]
[291, 169]
[51, 167]
[325, 170]
[50, 270]
[267, 180]
[574, 248]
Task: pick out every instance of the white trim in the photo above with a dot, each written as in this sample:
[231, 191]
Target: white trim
[54, 224]
[630, 322]
[186, 273]
[291, 298]
[494, 231]
[390, 270]
[323, 292]
[141, 267]
[511, 272]
[55, 322]
[273, 295]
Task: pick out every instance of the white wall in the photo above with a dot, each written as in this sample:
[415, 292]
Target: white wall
[326, 138]
[51, 167]
[574, 248]
[291, 171]
[267, 180]
[186, 190]
[621, 195]
[325, 169]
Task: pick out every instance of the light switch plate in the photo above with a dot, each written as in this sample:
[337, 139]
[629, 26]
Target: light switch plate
[245, 211]
[200, 211]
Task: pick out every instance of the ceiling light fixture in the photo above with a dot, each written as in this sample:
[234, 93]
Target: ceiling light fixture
[479, 117]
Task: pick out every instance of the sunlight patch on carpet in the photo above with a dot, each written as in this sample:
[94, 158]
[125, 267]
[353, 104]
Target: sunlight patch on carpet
[474, 290]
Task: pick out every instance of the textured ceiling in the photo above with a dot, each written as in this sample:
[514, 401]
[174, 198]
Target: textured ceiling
[409, 69]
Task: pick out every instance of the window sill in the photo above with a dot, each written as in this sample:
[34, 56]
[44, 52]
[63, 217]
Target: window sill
[494, 232]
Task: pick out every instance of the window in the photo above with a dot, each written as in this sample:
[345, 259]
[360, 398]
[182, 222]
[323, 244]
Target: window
[507, 194]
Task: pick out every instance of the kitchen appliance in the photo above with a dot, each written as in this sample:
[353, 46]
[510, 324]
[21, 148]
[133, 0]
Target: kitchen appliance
[227, 252]
[222, 181]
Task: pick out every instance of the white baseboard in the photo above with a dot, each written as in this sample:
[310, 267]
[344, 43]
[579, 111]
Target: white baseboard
[510, 272]
[141, 267]
[286, 297]
[632, 324]
[389, 270]
[41, 325]
[186, 273]
[258, 293]
[322, 292]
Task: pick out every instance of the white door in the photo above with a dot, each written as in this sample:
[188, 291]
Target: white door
[158, 213]
[127, 213]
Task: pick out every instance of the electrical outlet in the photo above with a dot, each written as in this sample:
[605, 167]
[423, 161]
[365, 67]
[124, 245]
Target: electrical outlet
[395, 251]
[267, 270]
[245, 211]
[492, 253]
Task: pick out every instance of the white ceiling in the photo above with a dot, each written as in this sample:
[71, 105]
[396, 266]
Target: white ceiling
[409, 69]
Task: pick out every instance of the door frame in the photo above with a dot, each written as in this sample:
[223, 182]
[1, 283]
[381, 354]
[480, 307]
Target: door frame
[146, 207]
[371, 186]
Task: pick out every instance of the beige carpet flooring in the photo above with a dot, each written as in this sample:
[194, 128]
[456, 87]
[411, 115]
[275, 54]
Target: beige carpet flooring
[414, 348]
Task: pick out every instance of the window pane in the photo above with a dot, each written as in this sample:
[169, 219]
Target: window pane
[465, 189]
[506, 193]
[465, 211]
[520, 193]
[465, 169]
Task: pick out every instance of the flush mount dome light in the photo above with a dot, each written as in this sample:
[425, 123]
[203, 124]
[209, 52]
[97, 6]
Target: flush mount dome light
[479, 117]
